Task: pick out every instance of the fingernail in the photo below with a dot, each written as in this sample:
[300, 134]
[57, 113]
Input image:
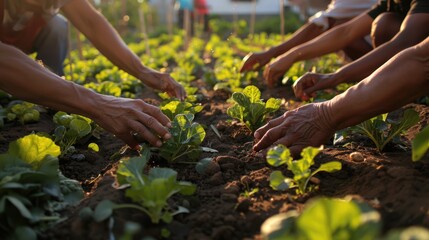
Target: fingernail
[169, 125]
[256, 135]
[158, 144]
[167, 136]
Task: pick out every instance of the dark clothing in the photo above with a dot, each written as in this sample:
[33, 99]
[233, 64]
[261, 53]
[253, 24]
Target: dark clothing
[402, 7]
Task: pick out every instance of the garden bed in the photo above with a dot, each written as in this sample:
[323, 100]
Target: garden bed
[389, 182]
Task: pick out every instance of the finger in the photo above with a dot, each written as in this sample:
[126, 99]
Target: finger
[179, 92]
[272, 123]
[157, 114]
[270, 137]
[141, 133]
[149, 122]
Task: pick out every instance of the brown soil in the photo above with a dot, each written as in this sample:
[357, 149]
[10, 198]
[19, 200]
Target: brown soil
[390, 182]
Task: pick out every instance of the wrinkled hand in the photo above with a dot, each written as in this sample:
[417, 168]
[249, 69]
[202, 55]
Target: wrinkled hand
[131, 118]
[275, 70]
[296, 129]
[164, 82]
[254, 61]
[306, 86]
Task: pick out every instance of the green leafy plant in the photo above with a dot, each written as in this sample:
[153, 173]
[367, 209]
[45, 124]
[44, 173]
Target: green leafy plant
[250, 109]
[32, 189]
[175, 107]
[325, 218]
[381, 129]
[24, 112]
[70, 129]
[420, 144]
[186, 139]
[301, 168]
[150, 192]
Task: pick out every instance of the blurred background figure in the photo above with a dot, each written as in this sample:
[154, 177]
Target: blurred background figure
[202, 14]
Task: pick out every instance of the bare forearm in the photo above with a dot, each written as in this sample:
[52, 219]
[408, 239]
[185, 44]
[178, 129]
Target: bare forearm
[332, 40]
[23, 78]
[302, 35]
[398, 82]
[104, 37]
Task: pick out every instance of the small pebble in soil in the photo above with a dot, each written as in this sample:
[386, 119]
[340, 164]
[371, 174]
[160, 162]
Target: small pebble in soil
[356, 157]
[216, 179]
[77, 157]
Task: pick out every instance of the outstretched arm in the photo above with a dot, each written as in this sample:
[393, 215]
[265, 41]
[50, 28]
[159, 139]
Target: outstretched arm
[399, 81]
[25, 79]
[332, 40]
[104, 37]
[255, 61]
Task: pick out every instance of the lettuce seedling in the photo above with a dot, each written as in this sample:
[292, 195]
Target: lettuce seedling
[149, 191]
[250, 109]
[381, 130]
[185, 141]
[70, 129]
[24, 112]
[280, 155]
[325, 218]
[420, 144]
[32, 189]
[175, 107]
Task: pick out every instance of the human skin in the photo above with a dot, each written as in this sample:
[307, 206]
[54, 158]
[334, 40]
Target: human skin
[399, 81]
[104, 37]
[25, 79]
[255, 61]
[413, 30]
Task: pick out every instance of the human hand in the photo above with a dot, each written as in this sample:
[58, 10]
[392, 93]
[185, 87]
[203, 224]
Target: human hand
[254, 61]
[164, 82]
[131, 118]
[296, 129]
[275, 70]
[306, 86]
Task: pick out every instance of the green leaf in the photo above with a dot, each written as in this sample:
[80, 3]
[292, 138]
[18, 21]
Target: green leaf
[328, 167]
[103, 210]
[279, 182]
[279, 155]
[23, 210]
[280, 227]
[241, 99]
[33, 148]
[420, 144]
[81, 127]
[24, 233]
[272, 105]
[337, 219]
[252, 93]
[94, 147]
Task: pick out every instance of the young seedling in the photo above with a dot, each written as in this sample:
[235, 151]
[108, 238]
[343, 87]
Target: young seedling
[149, 192]
[175, 107]
[70, 128]
[301, 169]
[381, 130]
[185, 141]
[326, 218]
[33, 191]
[250, 109]
[24, 112]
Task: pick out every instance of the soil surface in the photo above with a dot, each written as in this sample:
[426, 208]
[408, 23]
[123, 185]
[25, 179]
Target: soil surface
[390, 182]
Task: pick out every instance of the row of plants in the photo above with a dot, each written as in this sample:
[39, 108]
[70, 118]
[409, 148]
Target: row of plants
[34, 191]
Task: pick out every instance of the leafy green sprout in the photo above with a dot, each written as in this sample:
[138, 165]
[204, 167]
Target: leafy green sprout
[420, 144]
[250, 109]
[149, 192]
[301, 168]
[381, 130]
